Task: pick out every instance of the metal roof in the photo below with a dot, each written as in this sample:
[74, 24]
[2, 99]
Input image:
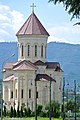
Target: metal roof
[32, 26]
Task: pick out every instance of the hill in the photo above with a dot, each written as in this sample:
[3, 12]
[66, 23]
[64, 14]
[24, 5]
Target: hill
[69, 57]
[67, 54]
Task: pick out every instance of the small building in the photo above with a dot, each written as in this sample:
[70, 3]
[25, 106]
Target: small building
[20, 78]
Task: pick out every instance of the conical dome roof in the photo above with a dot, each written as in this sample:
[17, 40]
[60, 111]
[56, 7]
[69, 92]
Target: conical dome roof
[32, 26]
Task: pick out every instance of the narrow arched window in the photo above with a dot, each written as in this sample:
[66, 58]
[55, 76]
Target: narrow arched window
[35, 50]
[22, 93]
[42, 51]
[45, 52]
[29, 93]
[28, 50]
[22, 48]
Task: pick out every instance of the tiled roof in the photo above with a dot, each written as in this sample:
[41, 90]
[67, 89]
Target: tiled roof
[52, 65]
[32, 26]
[58, 69]
[25, 65]
[9, 65]
[49, 65]
[20, 65]
[44, 77]
[11, 77]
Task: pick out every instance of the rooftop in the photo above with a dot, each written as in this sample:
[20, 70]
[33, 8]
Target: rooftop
[32, 26]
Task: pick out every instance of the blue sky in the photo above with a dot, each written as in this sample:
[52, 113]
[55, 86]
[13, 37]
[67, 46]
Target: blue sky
[54, 18]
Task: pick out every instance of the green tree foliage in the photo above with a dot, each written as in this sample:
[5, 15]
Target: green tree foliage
[11, 112]
[72, 6]
[4, 111]
[28, 112]
[43, 114]
[25, 112]
[21, 111]
[70, 105]
[14, 112]
[39, 109]
[55, 108]
[18, 112]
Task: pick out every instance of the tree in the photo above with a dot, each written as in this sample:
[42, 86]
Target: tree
[28, 112]
[4, 111]
[21, 111]
[14, 112]
[72, 6]
[55, 108]
[70, 105]
[18, 112]
[39, 109]
[25, 112]
[11, 113]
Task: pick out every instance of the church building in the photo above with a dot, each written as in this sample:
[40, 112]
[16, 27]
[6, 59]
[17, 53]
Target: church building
[29, 78]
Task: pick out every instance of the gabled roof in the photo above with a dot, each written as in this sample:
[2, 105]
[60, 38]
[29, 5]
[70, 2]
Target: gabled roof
[25, 65]
[9, 65]
[52, 65]
[9, 78]
[49, 65]
[39, 62]
[58, 69]
[20, 65]
[44, 77]
[32, 26]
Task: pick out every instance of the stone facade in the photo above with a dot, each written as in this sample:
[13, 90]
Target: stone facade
[19, 78]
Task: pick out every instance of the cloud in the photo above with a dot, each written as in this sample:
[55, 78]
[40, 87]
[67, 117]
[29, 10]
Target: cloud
[10, 22]
[17, 19]
[64, 33]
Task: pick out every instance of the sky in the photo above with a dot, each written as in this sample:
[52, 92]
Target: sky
[13, 13]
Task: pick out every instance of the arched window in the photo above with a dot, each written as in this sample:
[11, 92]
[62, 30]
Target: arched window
[28, 52]
[22, 93]
[45, 52]
[42, 51]
[22, 50]
[35, 50]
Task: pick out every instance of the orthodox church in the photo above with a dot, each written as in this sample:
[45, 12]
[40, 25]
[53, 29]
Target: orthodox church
[29, 78]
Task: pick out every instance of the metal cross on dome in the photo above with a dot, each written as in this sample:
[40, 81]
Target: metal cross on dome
[33, 6]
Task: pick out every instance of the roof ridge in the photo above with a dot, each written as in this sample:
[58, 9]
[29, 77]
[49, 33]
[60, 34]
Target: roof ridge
[37, 22]
[23, 25]
[27, 24]
[32, 26]
[28, 63]
[41, 25]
